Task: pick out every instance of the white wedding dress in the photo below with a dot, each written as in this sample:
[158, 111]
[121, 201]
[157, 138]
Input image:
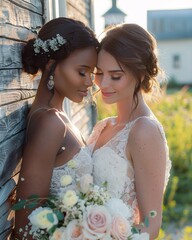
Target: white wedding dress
[80, 165]
[111, 164]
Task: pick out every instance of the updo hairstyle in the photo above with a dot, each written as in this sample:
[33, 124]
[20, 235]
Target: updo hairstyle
[76, 34]
[135, 49]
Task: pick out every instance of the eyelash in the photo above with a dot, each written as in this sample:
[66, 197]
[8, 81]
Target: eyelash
[97, 73]
[82, 74]
[113, 78]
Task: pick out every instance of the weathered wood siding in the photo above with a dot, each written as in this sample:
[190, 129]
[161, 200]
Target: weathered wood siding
[83, 115]
[18, 21]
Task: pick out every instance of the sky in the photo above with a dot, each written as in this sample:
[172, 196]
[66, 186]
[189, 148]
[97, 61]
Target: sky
[136, 10]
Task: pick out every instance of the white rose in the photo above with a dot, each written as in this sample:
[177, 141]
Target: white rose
[72, 163]
[141, 236]
[120, 228]
[85, 183]
[43, 218]
[70, 198]
[59, 234]
[117, 207]
[66, 180]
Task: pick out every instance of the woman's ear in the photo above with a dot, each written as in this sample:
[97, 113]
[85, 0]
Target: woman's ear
[49, 65]
[49, 69]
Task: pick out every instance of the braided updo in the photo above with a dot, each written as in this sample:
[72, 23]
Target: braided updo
[76, 34]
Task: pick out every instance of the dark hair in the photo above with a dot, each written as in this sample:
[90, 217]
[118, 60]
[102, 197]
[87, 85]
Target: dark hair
[135, 49]
[74, 32]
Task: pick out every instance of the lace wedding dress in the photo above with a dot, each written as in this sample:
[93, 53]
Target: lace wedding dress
[111, 164]
[80, 165]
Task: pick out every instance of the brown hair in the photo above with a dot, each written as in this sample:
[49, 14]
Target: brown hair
[135, 49]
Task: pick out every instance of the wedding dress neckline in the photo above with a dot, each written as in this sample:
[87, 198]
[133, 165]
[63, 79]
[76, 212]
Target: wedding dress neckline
[104, 124]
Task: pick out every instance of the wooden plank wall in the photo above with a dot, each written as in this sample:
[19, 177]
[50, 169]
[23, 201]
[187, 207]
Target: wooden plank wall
[83, 115]
[19, 20]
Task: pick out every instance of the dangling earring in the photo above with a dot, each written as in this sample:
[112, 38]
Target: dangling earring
[50, 83]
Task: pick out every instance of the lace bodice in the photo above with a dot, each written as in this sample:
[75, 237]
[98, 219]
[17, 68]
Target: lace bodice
[111, 164]
[80, 164]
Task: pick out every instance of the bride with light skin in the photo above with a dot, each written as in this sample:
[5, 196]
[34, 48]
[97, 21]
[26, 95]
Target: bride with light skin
[130, 150]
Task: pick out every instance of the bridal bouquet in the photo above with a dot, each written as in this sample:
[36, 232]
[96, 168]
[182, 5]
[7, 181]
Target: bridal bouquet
[86, 212]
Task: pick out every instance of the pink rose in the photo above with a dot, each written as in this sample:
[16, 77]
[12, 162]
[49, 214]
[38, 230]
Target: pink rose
[97, 223]
[59, 234]
[74, 231]
[120, 228]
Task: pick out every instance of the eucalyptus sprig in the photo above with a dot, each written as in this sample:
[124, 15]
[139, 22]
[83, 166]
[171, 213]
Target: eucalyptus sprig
[33, 201]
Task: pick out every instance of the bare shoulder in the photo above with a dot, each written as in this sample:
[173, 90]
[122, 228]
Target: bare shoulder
[144, 130]
[49, 123]
[52, 116]
[146, 145]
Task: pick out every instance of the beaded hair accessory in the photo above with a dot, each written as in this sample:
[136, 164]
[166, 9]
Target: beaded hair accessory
[53, 44]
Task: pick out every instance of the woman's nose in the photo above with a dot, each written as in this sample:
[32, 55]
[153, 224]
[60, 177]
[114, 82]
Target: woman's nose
[104, 82]
[89, 81]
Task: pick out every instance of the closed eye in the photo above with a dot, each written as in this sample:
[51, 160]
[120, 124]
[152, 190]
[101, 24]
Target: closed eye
[82, 73]
[116, 78]
[98, 73]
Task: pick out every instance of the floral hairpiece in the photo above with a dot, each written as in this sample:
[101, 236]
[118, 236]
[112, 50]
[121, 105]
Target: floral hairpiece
[49, 44]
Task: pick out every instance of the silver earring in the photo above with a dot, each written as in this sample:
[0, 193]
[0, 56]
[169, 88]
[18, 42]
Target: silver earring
[50, 83]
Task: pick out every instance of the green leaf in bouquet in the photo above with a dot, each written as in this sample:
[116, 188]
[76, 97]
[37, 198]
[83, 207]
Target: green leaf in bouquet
[51, 230]
[135, 230]
[59, 215]
[129, 238]
[50, 203]
[32, 205]
[33, 196]
[19, 205]
[146, 221]
[52, 197]
[105, 184]
[50, 217]
[82, 195]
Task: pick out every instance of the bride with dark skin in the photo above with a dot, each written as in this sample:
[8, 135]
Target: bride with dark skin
[66, 53]
[130, 150]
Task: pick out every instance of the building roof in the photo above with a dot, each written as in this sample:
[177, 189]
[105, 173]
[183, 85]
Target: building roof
[170, 24]
[114, 10]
